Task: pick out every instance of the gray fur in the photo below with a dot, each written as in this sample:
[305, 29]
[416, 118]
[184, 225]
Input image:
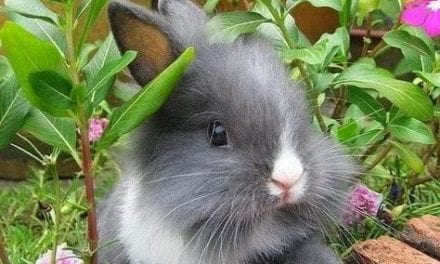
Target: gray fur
[232, 218]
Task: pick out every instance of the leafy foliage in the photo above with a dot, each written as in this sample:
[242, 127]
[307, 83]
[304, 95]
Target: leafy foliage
[52, 83]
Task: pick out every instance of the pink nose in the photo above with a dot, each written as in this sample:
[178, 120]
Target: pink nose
[283, 185]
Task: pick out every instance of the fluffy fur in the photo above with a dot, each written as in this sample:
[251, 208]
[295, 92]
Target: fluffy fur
[184, 201]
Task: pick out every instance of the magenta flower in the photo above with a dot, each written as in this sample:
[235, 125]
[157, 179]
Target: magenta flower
[424, 14]
[362, 202]
[96, 128]
[64, 256]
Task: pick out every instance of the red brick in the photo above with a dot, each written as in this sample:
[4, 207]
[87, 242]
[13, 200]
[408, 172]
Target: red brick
[424, 234]
[387, 250]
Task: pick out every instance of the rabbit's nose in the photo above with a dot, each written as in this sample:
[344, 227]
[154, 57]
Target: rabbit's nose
[287, 179]
[287, 168]
[284, 186]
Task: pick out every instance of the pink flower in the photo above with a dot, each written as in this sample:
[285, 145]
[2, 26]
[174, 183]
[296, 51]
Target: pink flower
[96, 128]
[64, 256]
[362, 202]
[424, 14]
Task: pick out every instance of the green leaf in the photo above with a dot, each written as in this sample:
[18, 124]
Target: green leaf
[411, 130]
[95, 9]
[313, 55]
[369, 137]
[31, 8]
[340, 38]
[335, 4]
[27, 55]
[437, 111]
[367, 104]
[322, 81]
[53, 88]
[345, 15]
[365, 7]
[429, 77]
[323, 52]
[421, 57]
[227, 27]
[13, 107]
[83, 57]
[147, 101]
[390, 9]
[58, 132]
[421, 34]
[408, 97]
[409, 157]
[273, 32]
[34, 16]
[99, 87]
[125, 91]
[347, 132]
[79, 92]
[210, 5]
[403, 67]
[21, 12]
[107, 52]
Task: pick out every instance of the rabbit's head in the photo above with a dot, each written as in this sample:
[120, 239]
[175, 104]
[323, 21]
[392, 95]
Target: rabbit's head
[233, 148]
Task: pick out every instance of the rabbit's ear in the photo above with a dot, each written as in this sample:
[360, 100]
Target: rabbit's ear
[145, 32]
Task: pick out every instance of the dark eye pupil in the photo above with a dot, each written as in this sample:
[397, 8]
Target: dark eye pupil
[217, 134]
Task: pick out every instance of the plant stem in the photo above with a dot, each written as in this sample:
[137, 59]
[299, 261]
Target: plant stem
[57, 209]
[376, 49]
[382, 45]
[380, 157]
[86, 163]
[437, 169]
[340, 100]
[373, 148]
[92, 229]
[3, 257]
[367, 37]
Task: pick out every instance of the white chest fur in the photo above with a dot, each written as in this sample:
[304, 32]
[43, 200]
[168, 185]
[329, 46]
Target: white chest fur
[147, 236]
[150, 239]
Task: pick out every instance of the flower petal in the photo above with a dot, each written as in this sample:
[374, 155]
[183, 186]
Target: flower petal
[415, 15]
[432, 24]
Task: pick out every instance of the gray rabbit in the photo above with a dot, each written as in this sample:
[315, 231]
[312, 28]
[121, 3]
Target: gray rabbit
[229, 171]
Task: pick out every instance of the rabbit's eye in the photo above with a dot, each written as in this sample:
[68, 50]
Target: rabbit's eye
[217, 134]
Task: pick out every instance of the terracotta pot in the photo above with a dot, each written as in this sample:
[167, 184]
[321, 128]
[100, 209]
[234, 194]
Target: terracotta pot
[315, 21]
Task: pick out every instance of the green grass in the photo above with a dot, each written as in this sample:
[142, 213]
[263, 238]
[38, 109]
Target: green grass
[26, 218]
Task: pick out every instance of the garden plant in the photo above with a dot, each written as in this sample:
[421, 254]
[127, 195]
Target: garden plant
[58, 88]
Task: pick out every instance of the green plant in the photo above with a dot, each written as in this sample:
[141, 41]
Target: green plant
[52, 83]
[389, 121]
